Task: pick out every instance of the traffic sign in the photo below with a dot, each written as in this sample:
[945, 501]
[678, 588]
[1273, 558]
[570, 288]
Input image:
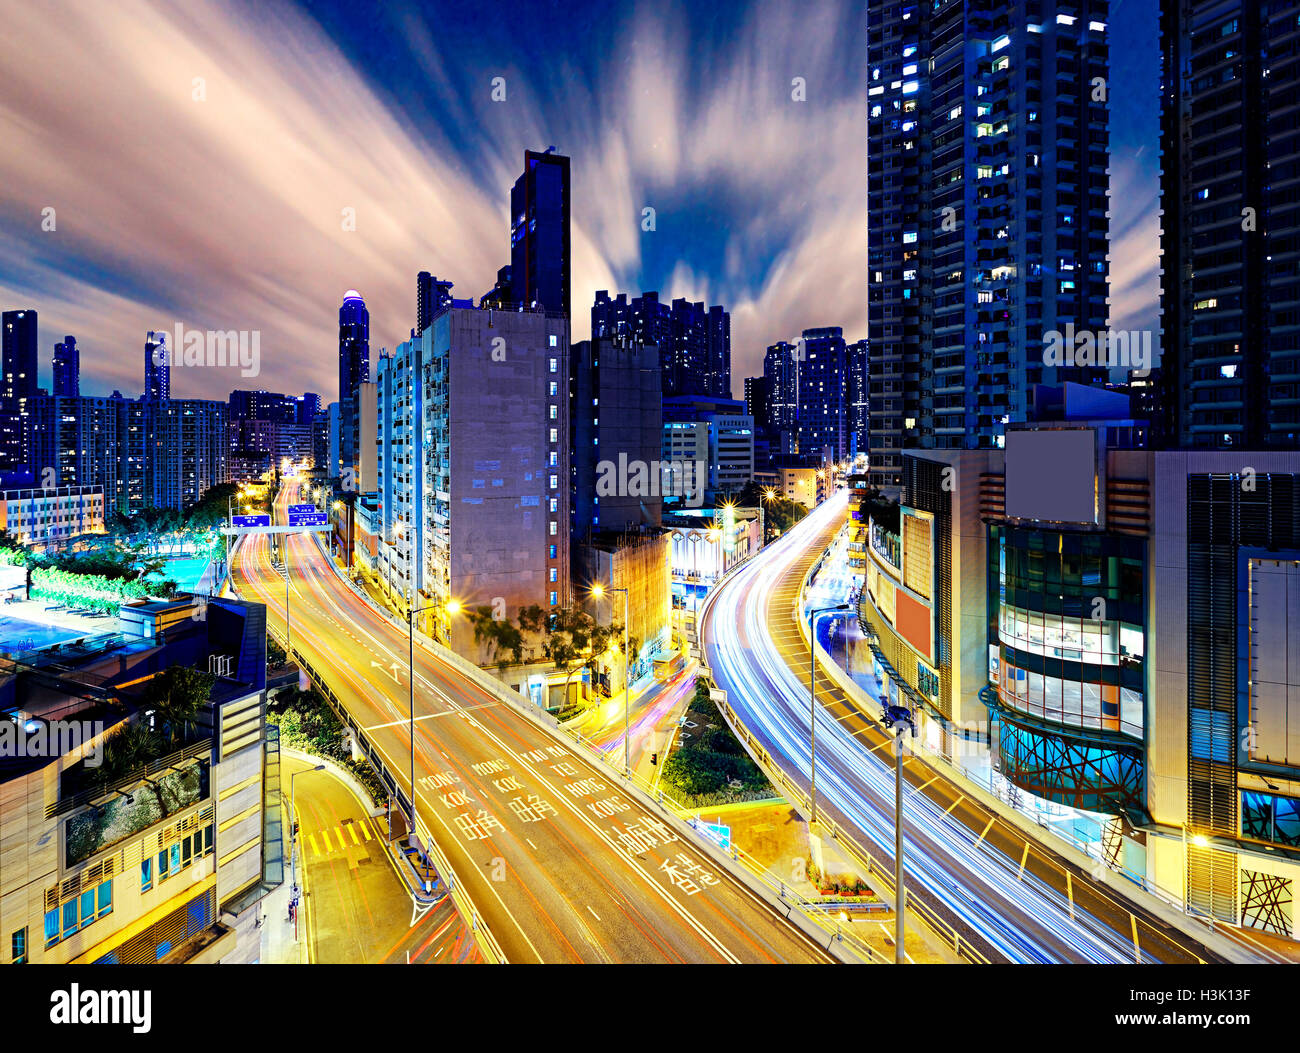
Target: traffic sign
[250, 521]
[299, 509]
[312, 518]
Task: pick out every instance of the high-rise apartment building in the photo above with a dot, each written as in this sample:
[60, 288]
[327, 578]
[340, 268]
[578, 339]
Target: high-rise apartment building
[496, 481]
[694, 341]
[157, 367]
[67, 367]
[540, 259]
[431, 296]
[1230, 360]
[186, 450]
[19, 363]
[986, 203]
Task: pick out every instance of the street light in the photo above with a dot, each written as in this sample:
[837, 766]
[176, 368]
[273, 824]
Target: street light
[452, 607]
[899, 717]
[293, 834]
[812, 706]
[598, 590]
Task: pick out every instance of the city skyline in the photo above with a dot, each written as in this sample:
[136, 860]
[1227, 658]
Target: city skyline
[741, 220]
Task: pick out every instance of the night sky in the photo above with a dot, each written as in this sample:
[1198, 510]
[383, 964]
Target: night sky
[226, 212]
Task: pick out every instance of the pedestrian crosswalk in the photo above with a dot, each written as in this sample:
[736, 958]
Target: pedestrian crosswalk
[348, 834]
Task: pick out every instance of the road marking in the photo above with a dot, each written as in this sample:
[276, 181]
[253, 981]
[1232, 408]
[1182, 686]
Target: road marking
[314, 848]
[365, 829]
[352, 829]
[325, 836]
[924, 785]
[960, 798]
[530, 843]
[593, 913]
[1024, 857]
[983, 833]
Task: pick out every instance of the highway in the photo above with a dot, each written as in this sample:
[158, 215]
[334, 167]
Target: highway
[1005, 894]
[562, 865]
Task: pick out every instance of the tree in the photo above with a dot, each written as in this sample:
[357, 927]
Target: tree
[126, 751]
[176, 695]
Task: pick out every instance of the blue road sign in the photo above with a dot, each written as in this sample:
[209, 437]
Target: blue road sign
[250, 521]
[312, 518]
[299, 509]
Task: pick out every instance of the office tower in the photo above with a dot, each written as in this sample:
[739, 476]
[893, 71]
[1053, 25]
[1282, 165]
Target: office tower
[18, 359]
[1230, 356]
[67, 367]
[540, 259]
[712, 431]
[617, 416]
[157, 366]
[986, 205]
[694, 341]
[431, 296]
[856, 362]
[496, 465]
[354, 369]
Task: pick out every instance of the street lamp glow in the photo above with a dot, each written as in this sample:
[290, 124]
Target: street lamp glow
[1200, 841]
[598, 590]
[453, 606]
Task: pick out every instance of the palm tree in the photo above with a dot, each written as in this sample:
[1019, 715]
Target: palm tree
[176, 695]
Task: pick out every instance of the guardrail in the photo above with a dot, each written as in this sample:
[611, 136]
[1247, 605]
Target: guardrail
[823, 918]
[482, 933]
[1163, 903]
[883, 876]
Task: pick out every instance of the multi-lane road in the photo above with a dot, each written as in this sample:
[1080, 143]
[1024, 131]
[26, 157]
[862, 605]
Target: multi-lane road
[557, 858]
[1006, 894]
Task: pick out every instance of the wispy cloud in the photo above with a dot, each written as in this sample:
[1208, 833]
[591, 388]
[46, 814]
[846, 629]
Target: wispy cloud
[227, 210]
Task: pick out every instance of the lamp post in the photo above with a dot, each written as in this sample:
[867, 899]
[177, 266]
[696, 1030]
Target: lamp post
[812, 706]
[899, 717]
[451, 607]
[598, 591]
[293, 835]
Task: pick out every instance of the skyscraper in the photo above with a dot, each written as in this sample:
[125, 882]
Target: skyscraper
[354, 369]
[67, 367]
[18, 359]
[539, 233]
[157, 367]
[1230, 360]
[986, 201]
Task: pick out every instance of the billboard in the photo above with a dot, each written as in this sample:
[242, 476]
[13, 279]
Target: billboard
[914, 624]
[1052, 475]
[917, 554]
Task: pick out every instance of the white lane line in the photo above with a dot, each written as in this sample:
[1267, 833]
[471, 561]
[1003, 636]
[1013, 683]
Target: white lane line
[593, 913]
[530, 843]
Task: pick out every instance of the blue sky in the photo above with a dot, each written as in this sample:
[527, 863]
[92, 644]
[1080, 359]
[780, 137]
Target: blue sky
[224, 211]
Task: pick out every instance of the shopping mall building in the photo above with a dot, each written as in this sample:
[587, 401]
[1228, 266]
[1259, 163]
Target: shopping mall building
[1110, 631]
